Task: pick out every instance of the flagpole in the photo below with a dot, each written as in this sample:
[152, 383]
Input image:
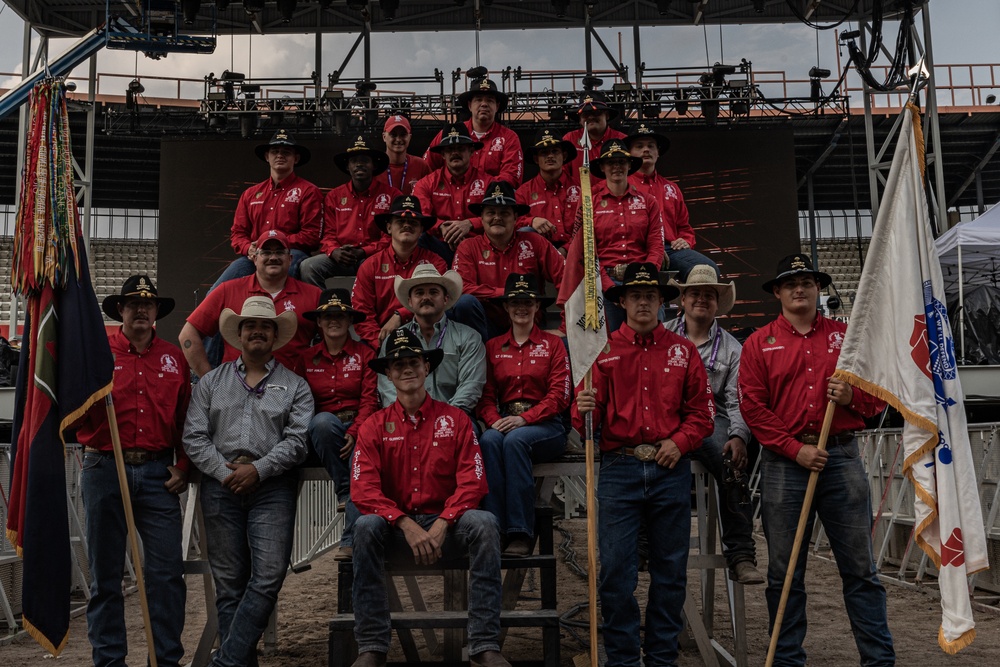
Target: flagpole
[799, 533]
[130, 521]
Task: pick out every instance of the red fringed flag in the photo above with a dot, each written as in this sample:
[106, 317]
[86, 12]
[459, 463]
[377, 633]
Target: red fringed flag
[65, 365]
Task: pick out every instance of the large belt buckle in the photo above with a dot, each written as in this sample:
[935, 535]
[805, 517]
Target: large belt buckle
[134, 457]
[644, 452]
[346, 415]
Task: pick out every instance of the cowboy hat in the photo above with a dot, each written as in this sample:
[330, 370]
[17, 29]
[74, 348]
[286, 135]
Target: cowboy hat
[610, 150]
[401, 344]
[523, 286]
[793, 265]
[594, 101]
[139, 287]
[282, 138]
[455, 134]
[641, 274]
[483, 86]
[404, 206]
[257, 308]
[642, 131]
[501, 193]
[545, 139]
[425, 274]
[380, 161]
[332, 302]
[704, 275]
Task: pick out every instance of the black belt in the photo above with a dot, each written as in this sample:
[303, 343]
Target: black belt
[134, 456]
[516, 408]
[834, 439]
[643, 452]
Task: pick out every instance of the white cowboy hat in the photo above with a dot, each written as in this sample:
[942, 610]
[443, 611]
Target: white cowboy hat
[704, 275]
[425, 274]
[257, 308]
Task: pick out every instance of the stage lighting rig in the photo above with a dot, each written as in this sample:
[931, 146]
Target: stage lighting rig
[815, 85]
[286, 8]
[477, 72]
[592, 83]
[389, 8]
[681, 105]
[190, 8]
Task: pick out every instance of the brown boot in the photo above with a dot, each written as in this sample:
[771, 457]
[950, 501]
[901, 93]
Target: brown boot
[488, 659]
[370, 659]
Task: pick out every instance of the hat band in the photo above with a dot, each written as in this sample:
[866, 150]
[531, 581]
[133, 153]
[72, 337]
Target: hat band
[395, 353]
[522, 294]
[145, 294]
[635, 283]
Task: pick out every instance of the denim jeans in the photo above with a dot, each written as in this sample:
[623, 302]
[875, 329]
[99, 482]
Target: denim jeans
[737, 521]
[469, 310]
[843, 503]
[241, 267]
[249, 541]
[326, 436]
[684, 260]
[475, 532]
[508, 459]
[628, 490]
[316, 269]
[158, 522]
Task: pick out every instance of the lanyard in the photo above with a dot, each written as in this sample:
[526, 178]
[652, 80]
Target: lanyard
[402, 182]
[715, 346]
[261, 387]
[415, 328]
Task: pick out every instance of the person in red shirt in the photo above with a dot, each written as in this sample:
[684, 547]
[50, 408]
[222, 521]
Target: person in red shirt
[678, 236]
[374, 290]
[485, 261]
[553, 196]
[152, 388]
[527, 389]
[349, 231]
[404, 169]
[446, 193]
[417, 480]
[786, 383]
[501, 156]
[284, 202]
[595, 115]
[653, 402]
[271, 280]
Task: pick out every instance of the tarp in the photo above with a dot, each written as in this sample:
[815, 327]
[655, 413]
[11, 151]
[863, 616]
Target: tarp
[980, 252]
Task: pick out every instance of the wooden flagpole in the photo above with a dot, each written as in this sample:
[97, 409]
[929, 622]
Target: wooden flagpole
[799, 534]
[130, 521]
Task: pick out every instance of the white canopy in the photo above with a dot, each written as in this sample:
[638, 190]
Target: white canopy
[971, 249]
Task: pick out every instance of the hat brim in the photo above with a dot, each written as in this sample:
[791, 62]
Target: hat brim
[668, 292]
[382, 220]
[230, 321]
[543, 301]
[726, 291]
[567, 147]
[662, 143]
[432, 357]
[824, 279]
[164, 306]
[476, 145]
[380, 161]
[595, 166]
[355, 315]
[465, 98]
[451, 286]
[611, 111]
[304, 154]
[519, 209]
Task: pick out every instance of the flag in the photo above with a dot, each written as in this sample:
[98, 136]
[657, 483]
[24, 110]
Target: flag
[580, 292]
[65, 366]
[899, 347]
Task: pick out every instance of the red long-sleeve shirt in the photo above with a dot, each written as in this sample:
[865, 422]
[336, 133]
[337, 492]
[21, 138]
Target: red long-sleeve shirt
[293, 206]
[404, 176]
[350, 217]
[627, 228]
[151, 394]
[430, 466]
[783, 381]
[343, 382]
[676, 221]
[500, 157]
[375, 292]
[557, 203]
[447, 197]
[575, 136]
[649, 388]
[537, 371]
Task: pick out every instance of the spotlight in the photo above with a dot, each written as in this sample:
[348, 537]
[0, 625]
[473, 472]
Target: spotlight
[720, 72]
[561, 6]
[189, 8]
[815, 87]
[991, 98]
[710, 112]
[758, 6]
[248, 123]
[557, 113]
[592, 82]
[253, 6]
[389, 8]
[286, 8]
[217, 123]
[135, 87]
[663, 6]
[682, 102]
[739, 106]
[819, 73]
[479, 72]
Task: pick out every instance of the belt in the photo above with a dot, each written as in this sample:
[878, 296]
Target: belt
[244, 458]
[643, 452]
[836, 439]
[515, 408]
[134, 456]
[346, 415]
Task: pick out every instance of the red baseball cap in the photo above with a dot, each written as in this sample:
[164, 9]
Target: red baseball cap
[392, 122]
[272, 235]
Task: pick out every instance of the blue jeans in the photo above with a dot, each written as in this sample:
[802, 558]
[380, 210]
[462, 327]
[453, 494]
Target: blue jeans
[684, 260]
[249, 541]
[843, 503]
[508, 459]
[475, 532]
[326, 436]
[469, 310]
[158, 522]
[737, 521]
[241, 267]
[629, 490]
[316, 269]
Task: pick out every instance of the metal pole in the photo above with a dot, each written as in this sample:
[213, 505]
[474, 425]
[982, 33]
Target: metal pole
[813, 244]
[869, 133]
[368, 51]
[88, 160]
[637, 54]
[588, 57]
[931, 120]
[980, 202]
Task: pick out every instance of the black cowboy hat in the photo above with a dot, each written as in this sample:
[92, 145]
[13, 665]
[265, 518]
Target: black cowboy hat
[380, 161]
[334, 301]
[404, 206]
[523, 286]
[614, 148]
[641, 274]
[500, 193]
[282, 138]
[794, 265]
[139, 287]
[455, 134]
[545, 139]
[483, 86]
[401, 344]
[594, 101]
[643, 131]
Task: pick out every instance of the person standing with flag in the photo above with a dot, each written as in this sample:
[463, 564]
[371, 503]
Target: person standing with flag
[785, 383]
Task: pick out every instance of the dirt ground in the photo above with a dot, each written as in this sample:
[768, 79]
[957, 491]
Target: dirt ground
[308, 600]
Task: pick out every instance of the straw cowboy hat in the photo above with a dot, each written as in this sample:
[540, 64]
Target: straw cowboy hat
[704, 275]
[257, 308]
[427, 274]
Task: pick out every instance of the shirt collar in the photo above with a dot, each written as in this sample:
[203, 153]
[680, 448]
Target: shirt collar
[242, 367]
[787, 326]
[422, 412]
[125, 343]
[534, 337]
[288, 181]
[629, 334]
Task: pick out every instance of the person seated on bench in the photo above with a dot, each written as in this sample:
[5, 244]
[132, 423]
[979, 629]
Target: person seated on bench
[527, 388]
[417, 481]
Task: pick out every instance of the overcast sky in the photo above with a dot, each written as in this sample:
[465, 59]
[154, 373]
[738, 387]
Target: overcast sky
[964, 31]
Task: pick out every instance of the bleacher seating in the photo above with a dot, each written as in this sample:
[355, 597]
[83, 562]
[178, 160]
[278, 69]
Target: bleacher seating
[839, 258]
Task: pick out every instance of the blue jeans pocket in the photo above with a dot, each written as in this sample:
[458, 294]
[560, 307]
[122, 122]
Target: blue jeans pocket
[92, 460]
